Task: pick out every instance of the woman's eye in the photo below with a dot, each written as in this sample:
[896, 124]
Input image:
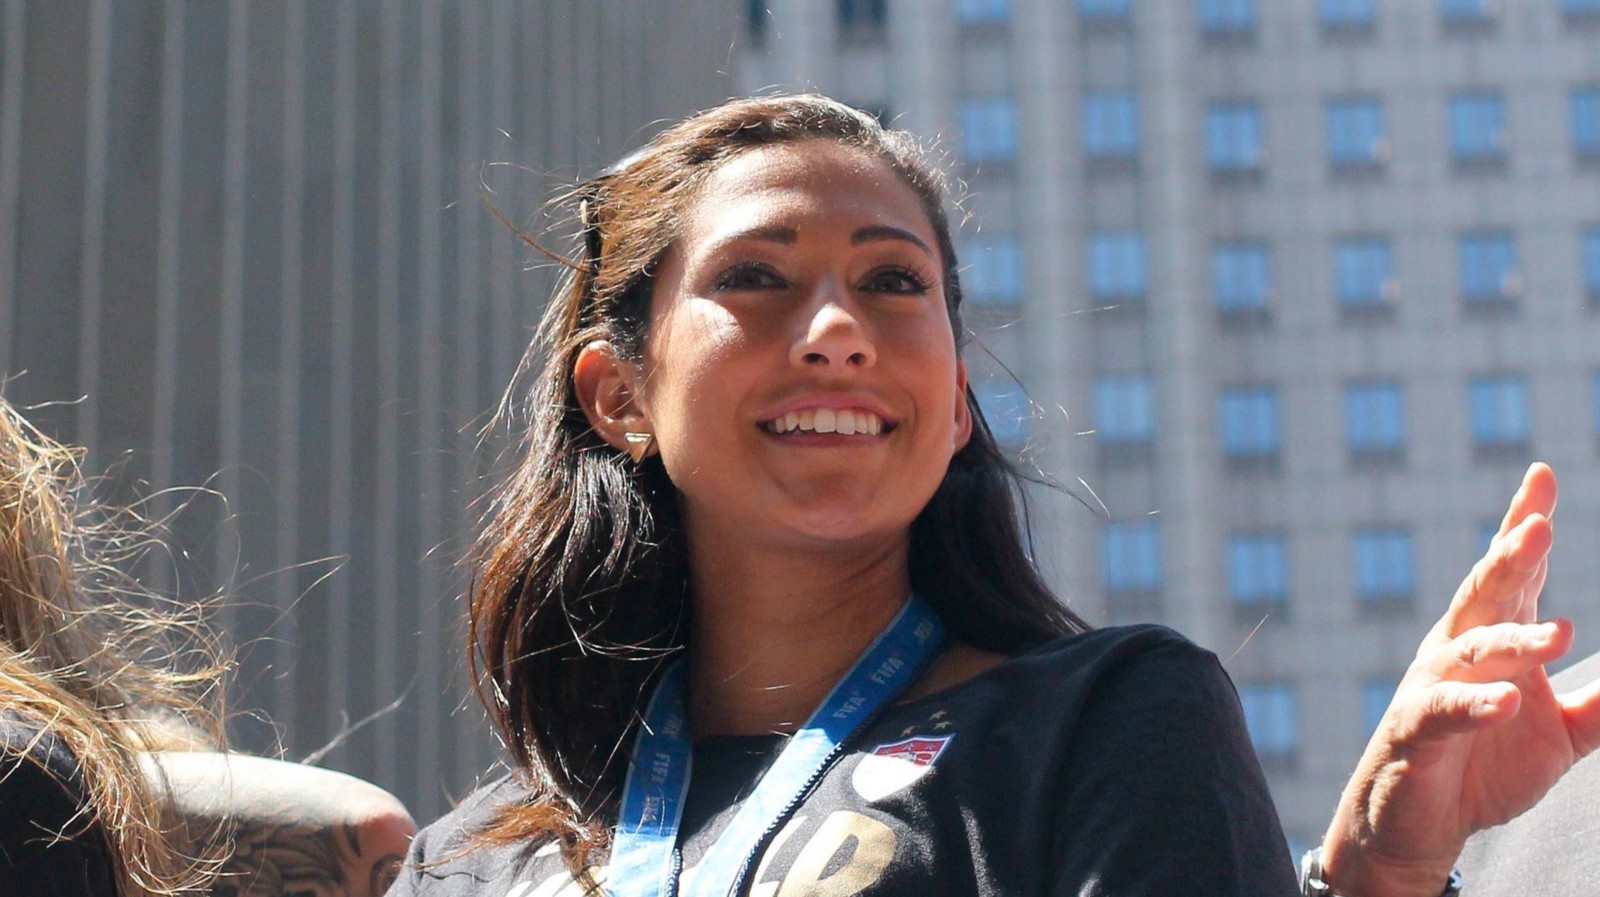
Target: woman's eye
[751, 276]
[896, 280]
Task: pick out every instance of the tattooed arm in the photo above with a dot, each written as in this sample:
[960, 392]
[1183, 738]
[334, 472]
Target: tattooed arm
[282, 828]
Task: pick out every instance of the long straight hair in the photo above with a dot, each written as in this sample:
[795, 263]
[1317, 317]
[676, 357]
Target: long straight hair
[580, 584]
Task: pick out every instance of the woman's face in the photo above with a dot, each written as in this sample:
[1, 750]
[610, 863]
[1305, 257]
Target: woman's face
[801, 374]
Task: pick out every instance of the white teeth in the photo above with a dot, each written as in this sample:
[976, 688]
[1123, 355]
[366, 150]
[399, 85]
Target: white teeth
[844, 421]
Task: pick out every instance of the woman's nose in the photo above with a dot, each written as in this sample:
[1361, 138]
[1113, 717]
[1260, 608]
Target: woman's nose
[835, 335]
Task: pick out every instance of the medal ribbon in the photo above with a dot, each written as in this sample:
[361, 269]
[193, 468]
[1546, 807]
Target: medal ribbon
[644, 856]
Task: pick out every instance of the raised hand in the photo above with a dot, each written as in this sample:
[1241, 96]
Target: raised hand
[1475, 735]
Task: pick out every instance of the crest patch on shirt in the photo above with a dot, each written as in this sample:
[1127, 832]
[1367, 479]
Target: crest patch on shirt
[897, 765]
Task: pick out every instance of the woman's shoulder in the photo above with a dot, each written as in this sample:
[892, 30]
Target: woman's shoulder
[448, 855]
[49, 843]
[1116, 652]
[35, 760]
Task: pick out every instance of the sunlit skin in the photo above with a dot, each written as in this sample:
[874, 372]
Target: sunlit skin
[805, 276]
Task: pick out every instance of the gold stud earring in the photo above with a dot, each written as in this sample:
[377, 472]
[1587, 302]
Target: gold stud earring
[640, 445]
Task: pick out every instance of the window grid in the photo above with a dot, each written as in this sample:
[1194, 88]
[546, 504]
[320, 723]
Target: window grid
[989, 129]
[1591, 263]
[1007, 410]
[1272, 716]
[1124, 410]
[1110, 125]
[1250, 428]
[1466, 12]
[1241, 276]
[1131, 557]
[1364, 272]
[993, 268]
[1499, 411]
[1346, 14]
[1374, 414]
[1487, 266]
[1227, 18]
[1477, 127]
[983, 12]
[1258, 570]
[1233, 137]
[1385, 565]
[1356, 137]
[1118, 266]
[1594, 403]
[1586, 121]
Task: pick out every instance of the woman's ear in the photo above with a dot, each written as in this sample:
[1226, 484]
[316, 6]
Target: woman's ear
[608, 391]
[963, 431]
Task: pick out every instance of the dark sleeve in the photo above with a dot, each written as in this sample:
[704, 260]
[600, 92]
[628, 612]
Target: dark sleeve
[1162, 792]
[47, 848]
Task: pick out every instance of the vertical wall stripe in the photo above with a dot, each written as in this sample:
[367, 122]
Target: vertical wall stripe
[90, 287]
[231, 314]
[168, 259]
[386, 606]
[430, 393]
[503, 109]
[341, 441]
[291, 281]
[10, 175]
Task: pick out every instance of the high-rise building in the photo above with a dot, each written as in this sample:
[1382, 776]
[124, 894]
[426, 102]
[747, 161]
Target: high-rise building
[245, 247]
[1296, 289]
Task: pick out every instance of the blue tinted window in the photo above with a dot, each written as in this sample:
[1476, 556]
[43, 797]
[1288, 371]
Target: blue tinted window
[1477, 126]
[989, 129]
[1132, 557]
[1345, 13]
[1355, 131]
[1586, 120]
[1581, 7]
[1124, 410]
[1591, 261]
[1117, 265]
[1272, 714]
[1487, 530]
[1241, 275]
[1499, 410]
[1110, 125]
[992, 269]
[1258, 568]
[1385, 564]
[1227, 16]
[1464, 10]
[1364, 270]
[1376, 693]
[1595, 403]
[1250, 420]
[862, 13]
[1007, 410]
[974, 12]
[1105, 9]
[1233, 136]
[1374, 416]
[1487, 265]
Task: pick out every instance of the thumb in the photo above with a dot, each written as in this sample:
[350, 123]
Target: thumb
[1581, 708]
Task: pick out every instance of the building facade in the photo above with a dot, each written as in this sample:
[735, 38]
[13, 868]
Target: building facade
[1291, 291]
[245, 258]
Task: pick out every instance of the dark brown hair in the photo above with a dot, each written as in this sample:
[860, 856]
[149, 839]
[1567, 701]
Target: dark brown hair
[580, 584]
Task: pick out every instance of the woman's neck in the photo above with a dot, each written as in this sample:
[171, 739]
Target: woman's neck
[776, 629]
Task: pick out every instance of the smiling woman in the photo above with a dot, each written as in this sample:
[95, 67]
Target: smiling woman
[753, 615]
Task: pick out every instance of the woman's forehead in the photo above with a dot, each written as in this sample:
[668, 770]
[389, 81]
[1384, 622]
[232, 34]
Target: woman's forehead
[799, 186]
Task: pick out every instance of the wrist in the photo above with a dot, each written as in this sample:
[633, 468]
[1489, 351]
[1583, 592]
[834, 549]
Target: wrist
[1341, 870]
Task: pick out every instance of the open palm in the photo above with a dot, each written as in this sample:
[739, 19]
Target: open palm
[1475, 734]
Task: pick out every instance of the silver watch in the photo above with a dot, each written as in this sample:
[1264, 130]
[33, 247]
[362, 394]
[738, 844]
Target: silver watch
[1312, 885]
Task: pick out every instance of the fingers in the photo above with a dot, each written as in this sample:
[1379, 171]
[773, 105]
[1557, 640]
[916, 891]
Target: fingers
[1582, 711]
[1454, 708]
[1536, 495]
[1504, 585]
[1502, 651]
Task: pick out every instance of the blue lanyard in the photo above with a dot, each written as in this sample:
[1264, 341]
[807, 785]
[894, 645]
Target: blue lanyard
[644, 854]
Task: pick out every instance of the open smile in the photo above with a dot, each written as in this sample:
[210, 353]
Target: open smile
[843, 421]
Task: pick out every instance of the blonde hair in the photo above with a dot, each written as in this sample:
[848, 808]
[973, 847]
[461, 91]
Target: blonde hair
[99, 662]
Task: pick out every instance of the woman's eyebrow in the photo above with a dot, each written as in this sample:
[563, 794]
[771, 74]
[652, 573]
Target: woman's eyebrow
[873, 232]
